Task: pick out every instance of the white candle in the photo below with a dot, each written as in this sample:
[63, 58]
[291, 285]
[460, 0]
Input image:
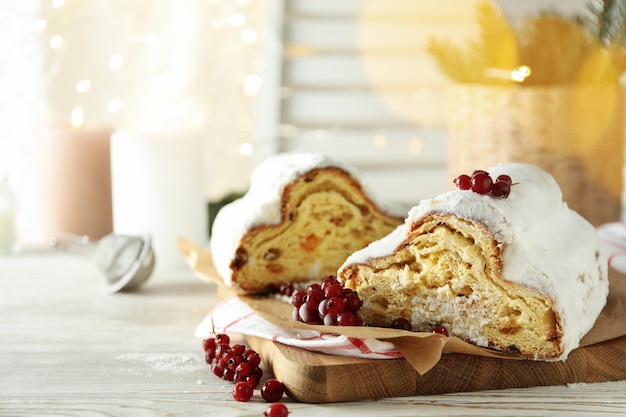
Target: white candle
[8, 237]
[157, 181]
[74, 178]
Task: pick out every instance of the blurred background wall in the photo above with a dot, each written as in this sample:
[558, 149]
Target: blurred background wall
[349, 78]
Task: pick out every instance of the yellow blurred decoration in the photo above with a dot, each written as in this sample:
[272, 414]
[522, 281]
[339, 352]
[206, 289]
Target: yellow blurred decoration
[495, 49]
[550, 49]
[547, 92]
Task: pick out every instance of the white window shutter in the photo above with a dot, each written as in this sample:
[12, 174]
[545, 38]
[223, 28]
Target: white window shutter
[332, 91]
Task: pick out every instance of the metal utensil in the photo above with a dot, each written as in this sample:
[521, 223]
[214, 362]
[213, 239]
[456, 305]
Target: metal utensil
[125, 262]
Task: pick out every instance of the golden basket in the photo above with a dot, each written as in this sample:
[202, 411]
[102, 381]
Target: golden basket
[575, 133]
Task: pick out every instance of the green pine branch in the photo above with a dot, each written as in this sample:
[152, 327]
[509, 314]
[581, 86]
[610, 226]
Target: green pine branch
[608, 21]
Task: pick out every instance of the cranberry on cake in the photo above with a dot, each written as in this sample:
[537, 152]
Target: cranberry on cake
[302, 216]
[509, 267]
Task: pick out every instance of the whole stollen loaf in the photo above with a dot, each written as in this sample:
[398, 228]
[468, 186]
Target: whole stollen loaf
[523, 274]
[302, 216]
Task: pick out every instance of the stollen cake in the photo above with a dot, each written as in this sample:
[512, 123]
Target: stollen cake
[522, 274]
[303, 215]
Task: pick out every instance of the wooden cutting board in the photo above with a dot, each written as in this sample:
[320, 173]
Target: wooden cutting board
[318, 378]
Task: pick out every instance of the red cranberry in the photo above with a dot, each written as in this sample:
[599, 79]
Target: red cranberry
[228, 374]
[504, 178]
[501, 189]
[307, 315]
[217, 371]
[441, 330]
[298, 298]
[272, 390]
[238, 349]
[255, 377]
[463, 182]
[481, 183]
[313, 287]
[252, 358]
[286, 289]
[322, 308]
[242, 372]
[276, 410]
[347, 318]
[313, 298]
[352, 302]
[208, 343]
[221, 349]
[330, 320]
[209, 355]
[242, 391]
[222, 338]
[334, 290]
[401, 323]
[328, 282]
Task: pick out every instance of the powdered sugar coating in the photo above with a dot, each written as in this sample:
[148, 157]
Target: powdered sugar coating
[261, 205]
[548, 245]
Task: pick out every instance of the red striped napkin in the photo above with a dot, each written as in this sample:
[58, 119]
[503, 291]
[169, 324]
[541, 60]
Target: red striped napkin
[613, 238]
[234, 316]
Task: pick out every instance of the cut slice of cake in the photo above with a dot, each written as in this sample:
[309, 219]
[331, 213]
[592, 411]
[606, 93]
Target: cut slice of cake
[519, 273]
[303, 215]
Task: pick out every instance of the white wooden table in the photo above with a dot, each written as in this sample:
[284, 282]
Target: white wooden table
[68, 349]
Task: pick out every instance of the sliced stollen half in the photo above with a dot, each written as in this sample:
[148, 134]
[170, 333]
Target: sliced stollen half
[523, 274]
[302, 216]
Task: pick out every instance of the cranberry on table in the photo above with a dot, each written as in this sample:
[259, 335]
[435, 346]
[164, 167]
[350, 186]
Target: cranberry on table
[242, 372]
[232, 363]
[276, 410]
[272, 390]
[242, 366]
[255, 377]
[242, 392]
[252, 358]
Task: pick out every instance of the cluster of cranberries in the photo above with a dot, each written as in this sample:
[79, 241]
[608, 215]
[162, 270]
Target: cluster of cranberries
[232, 363]
[481, 182]
[328, 303]
[242, 366]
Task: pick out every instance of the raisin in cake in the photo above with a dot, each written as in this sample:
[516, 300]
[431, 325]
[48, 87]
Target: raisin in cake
[302, 216]
[523, 274]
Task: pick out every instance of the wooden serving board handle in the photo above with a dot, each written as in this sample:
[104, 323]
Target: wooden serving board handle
[319, 378]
